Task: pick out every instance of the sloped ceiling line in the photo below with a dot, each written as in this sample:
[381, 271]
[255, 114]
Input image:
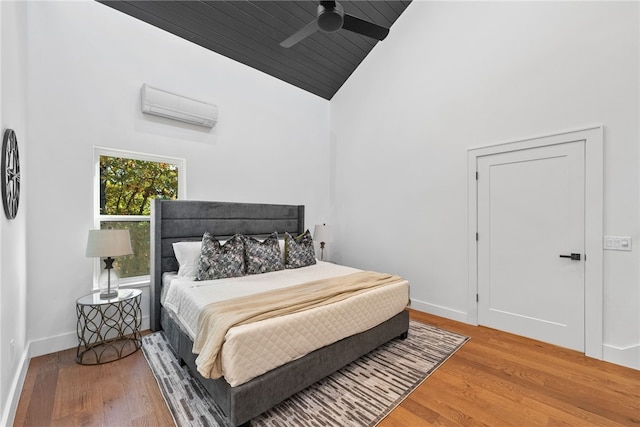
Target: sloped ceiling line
[250, 32]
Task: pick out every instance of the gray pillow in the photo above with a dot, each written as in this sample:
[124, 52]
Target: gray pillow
[221, 261]
[262, 257]
[299, 251]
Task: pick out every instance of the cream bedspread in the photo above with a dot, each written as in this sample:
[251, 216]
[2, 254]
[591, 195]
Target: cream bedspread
[252, 349]
[217, 318]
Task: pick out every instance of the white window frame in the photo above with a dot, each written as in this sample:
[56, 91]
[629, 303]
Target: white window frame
[139, 281]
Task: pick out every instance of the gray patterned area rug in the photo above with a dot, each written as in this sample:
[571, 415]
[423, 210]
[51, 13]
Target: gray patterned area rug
[360, 394]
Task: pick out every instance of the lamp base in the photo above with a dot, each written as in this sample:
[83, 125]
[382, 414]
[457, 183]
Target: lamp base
[109, 281]
[108, 295]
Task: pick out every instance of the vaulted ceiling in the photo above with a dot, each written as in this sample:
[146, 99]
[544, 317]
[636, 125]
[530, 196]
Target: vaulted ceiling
[250, 32]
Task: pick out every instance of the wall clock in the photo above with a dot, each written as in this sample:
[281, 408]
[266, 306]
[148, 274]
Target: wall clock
[10, 170]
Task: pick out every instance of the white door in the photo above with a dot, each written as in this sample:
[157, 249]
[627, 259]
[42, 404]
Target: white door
[531, 211]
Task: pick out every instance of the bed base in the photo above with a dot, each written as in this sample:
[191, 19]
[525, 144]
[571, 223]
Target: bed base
[242, 403]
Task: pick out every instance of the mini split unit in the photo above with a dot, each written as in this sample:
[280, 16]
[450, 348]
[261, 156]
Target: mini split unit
[177, 107]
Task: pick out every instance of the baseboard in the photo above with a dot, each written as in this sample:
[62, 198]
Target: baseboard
[66, 341]
[625, 356]
[53, 344]
[438, 310]
[11, 405]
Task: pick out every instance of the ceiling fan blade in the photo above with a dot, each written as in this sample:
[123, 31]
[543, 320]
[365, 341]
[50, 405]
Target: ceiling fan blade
[366, 28]
[302, 34]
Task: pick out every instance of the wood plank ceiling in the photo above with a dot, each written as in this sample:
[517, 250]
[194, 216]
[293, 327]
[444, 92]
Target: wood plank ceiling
[250, 32]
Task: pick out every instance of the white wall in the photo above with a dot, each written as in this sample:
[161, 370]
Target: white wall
[456, 75]
[87, 63]
[13, 272]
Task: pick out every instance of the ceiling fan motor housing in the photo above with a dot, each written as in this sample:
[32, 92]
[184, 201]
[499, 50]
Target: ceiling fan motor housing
[330, 19]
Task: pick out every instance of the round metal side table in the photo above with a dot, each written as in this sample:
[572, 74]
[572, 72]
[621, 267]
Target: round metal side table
[108, 329]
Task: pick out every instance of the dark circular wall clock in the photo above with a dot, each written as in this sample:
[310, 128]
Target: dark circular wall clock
[10, 174]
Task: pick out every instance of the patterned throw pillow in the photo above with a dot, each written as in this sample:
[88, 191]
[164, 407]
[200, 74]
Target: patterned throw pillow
[299, 251]
[220, 261]
[262, 257]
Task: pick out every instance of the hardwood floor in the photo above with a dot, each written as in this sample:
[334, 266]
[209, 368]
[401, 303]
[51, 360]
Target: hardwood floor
[495, 379]
[59, 392]
[499, 379]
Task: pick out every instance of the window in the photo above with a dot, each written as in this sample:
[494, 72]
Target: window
[125, 184]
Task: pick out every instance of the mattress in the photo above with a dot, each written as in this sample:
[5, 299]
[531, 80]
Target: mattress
[253, 349]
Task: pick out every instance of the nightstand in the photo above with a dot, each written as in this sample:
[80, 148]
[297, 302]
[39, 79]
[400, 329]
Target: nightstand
[108, 329]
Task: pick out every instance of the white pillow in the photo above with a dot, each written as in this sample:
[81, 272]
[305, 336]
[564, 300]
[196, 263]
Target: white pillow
[188, 256]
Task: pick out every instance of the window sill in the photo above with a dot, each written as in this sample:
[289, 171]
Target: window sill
[133, 284]
[137, 284]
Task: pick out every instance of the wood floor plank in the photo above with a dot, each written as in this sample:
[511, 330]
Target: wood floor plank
[453, 409]
[496, 379]
[546, 381]
[527, 395]
[40, 408]
[412, 408]
[115, 398]
[404, 416]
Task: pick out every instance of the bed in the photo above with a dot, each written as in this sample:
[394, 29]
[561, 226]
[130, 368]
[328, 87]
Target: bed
[241, 399]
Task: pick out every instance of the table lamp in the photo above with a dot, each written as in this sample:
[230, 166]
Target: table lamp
[322, 234]
[108, 244]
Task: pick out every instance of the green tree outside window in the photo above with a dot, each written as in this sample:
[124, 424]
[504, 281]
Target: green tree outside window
[127, 187]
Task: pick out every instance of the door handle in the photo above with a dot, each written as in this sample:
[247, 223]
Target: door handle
[574, 257]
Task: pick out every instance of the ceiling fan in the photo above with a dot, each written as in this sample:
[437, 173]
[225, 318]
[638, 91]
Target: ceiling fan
[330, 17]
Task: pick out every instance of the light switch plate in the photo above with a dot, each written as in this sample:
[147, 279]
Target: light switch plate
[617, 243]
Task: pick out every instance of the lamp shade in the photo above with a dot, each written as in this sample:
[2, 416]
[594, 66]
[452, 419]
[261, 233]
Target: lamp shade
[108, 243]
[321, 233]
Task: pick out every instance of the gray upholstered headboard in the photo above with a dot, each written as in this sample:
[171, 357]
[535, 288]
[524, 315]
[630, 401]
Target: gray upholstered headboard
[178, 220]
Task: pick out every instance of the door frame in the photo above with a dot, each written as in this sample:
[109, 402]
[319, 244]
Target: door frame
[593, 137]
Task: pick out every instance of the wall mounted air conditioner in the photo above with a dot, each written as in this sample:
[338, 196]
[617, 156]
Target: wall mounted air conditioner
[177, 107]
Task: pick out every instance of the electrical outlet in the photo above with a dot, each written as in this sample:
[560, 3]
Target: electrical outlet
[617, 243]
